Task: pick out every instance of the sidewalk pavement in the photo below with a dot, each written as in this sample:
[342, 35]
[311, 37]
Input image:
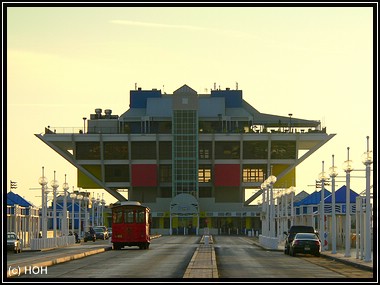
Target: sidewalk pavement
[203, 262]
[339, 256]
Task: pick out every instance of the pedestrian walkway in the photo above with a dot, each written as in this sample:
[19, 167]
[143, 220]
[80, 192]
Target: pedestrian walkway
[339, 256]
[203, 262]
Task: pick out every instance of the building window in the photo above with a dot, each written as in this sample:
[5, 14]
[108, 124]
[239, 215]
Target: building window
[165, 150]
[204, 173]
[227, 150]
[117, 173]
[205, 150]
[87, 150]
[164, 127]
[255, 150]
[166, 192]
[165, 173]
[115, 150]
[143, 150]
[205, 192]
[283, 150]
[253, 173]
[185, 151]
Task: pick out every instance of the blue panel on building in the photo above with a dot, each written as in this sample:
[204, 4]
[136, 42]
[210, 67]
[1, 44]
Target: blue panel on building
[138, 98]
[234, 98]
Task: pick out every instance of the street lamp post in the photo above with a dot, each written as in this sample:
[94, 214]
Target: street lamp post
[84, 124]
[292, 192]
[55, 185]
[103, 203]
[93, 208]
[367, 160]
[333, 174]
[322, 177]
[347, 166]
[86, 199]
[98, 211]
[43, 181]
[286, 194]
[80, 197]
[271, 179]
[65, 187]
[264, 210]
[72, 196]
[47, 191]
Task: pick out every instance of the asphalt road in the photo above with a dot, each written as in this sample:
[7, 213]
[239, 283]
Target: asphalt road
[238, 258]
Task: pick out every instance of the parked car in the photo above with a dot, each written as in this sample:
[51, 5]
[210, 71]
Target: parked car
[307, 243]
[101, 232]
[13, 242]
[109, 231]
[293, 231]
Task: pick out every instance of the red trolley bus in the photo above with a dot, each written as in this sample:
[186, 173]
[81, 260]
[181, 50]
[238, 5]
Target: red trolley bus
[130, 225]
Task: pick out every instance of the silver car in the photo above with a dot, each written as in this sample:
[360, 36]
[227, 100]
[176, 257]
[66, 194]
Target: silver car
[13, 242]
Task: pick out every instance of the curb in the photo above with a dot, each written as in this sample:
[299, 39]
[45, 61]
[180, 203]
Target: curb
[347, 262]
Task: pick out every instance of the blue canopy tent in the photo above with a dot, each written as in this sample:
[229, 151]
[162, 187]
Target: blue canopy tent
[312, 199]
[15, 199]
[340, 198]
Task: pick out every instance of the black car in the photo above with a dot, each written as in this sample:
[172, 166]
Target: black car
[293, 231]
[101, 232]
[13, 242]
[307, 243]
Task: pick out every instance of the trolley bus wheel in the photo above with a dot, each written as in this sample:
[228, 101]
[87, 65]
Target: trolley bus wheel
[116, 246]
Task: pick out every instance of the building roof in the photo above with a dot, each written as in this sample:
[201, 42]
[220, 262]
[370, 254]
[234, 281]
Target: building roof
[340, 196]
[312, 199]
[15, 199]
[228, 102]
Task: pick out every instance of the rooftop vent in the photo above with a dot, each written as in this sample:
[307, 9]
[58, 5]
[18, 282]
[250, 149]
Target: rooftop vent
[98, 113]
[108, 113]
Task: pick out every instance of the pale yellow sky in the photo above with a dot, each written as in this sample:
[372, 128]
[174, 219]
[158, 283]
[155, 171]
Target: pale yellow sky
[63, 63]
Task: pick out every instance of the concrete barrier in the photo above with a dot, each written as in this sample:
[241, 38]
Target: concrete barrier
[269, 242]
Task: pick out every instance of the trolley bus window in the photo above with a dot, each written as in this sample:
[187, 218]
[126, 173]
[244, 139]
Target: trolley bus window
[117, 216]
[128, 218]
[140, 217]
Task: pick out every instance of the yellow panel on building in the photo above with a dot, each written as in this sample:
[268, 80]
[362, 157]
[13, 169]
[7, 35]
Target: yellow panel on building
[85, 182]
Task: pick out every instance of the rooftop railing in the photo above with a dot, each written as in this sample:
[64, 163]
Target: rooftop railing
[115, 130]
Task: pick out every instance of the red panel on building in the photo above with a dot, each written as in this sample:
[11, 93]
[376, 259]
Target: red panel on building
[144, 175]
[227, 174]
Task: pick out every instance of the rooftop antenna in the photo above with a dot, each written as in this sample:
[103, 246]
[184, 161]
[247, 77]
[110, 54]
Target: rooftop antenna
[214, 85]
[135, 86]
[237, 86]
